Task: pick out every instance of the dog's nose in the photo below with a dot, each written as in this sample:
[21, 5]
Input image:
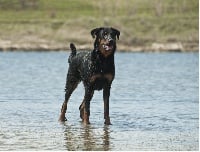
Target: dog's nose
[111, 42]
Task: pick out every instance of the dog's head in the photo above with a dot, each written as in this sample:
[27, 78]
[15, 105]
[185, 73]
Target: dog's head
[105, 40]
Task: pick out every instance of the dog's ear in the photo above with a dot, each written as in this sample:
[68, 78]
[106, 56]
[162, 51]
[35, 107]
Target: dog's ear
[95, 32]
[116, 32]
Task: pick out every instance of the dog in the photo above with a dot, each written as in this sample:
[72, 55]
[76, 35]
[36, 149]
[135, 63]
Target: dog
[96, 69]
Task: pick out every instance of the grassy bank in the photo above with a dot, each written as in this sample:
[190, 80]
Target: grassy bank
[145, 25]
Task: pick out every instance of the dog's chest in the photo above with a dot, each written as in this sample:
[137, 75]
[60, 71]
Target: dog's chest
[97, 73]
[98, 81]
[102, 75]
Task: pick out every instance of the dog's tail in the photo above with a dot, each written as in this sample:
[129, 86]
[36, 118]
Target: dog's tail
[73, 53]
[73, 49]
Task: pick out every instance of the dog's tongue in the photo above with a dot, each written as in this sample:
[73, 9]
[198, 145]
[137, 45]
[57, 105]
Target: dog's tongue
[107, 47]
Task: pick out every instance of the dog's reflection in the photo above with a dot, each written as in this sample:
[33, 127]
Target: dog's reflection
[88, 138]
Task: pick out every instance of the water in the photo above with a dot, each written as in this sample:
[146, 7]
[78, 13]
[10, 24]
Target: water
[154, 104]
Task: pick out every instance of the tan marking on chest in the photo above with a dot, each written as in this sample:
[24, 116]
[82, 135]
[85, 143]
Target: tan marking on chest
[94, 77]
[108, 76]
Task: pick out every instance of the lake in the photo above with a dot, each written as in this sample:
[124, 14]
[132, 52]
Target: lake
[154, 104]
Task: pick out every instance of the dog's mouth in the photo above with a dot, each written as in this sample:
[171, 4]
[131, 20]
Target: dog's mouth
[107, 47]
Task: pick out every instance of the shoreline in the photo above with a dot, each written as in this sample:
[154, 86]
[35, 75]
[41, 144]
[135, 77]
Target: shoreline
[145, 26]
[154, 47]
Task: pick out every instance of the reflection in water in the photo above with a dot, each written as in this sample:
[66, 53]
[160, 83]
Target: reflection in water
[106, 138]
[87, 138]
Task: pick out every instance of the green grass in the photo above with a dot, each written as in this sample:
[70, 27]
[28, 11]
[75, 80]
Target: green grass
[141, 22]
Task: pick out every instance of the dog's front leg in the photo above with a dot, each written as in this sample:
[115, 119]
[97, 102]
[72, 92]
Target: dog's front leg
[106, 95]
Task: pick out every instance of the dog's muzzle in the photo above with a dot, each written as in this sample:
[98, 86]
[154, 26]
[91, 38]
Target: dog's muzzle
[108, 46]
[110, 43]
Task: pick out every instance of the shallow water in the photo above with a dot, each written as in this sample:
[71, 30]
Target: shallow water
[154, 104]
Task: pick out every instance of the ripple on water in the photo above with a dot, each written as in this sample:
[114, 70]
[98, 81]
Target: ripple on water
[153, 104]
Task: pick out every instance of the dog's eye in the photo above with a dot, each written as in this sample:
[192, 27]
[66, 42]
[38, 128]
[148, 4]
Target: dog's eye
[105, 33]
[113, 35]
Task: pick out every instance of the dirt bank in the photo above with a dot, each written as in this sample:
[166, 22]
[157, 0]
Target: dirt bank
[145, 25]
[44, 45]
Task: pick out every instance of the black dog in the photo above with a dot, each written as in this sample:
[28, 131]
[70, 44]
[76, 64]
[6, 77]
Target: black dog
[96, 69]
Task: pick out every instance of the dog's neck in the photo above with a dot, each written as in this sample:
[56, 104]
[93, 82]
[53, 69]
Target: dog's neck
[97, 57]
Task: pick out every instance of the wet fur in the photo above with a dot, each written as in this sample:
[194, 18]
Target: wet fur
[95, 69]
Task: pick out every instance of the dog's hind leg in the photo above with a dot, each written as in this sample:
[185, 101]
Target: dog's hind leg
[71, 85]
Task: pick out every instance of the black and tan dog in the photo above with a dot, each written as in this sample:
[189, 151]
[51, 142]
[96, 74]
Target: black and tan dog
[96, 69]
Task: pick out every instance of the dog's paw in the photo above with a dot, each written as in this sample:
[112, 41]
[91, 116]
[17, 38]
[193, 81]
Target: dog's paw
[85, 122]
[62, 118]
[107, 121]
